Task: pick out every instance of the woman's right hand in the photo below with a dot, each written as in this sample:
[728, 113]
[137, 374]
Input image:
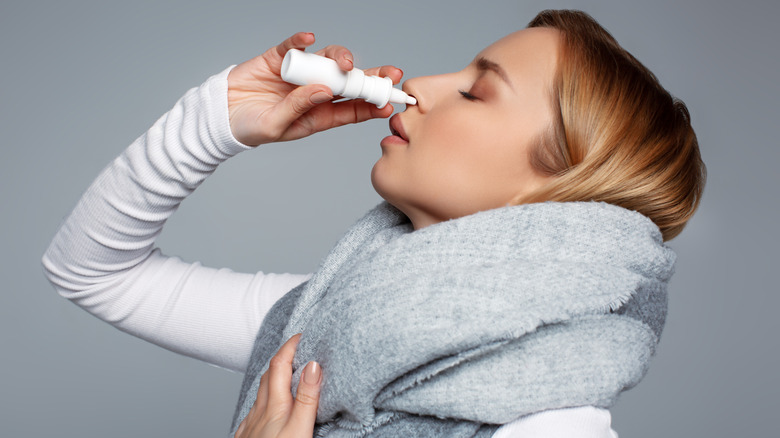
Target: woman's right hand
[264, 109]
[275, 414]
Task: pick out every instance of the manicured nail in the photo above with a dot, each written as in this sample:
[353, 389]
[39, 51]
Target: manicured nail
[320, 97]
[312, 373]
[349, 59]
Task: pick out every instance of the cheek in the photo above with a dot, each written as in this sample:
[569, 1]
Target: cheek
[453, 136]
[470, 147]
[458, 162]
[430, 168]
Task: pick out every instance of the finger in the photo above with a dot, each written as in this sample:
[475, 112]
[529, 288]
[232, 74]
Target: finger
[300, 40]
[280, 374]
[386, 71]
[356, 111]
[240, 429]
[262, 394]
[333, 115]
[340, 54]
[297, 103]
[304, 411]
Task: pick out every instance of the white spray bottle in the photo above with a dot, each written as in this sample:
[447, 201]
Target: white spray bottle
[301, 68]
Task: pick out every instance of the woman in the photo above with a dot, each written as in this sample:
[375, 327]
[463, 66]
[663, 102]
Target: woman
[488, 290]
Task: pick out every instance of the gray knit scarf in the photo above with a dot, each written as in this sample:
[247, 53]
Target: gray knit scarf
[456, 328]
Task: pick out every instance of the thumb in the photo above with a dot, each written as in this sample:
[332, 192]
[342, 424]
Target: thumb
[297, 103]
[304, 411]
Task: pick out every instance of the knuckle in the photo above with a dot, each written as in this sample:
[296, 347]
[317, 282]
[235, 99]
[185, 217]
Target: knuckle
[276, 414]
[306, 399]
[354, 117]
[299, 106]
[278, 362]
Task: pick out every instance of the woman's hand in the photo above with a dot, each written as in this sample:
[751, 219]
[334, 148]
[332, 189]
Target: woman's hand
[263, 108]
[275, 413]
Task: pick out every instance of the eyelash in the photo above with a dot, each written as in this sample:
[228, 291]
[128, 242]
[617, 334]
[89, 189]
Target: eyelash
[467, 95]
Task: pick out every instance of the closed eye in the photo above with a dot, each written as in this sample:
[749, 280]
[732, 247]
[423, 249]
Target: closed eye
[467, 95]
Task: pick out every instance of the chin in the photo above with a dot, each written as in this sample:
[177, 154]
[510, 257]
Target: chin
[385, 185]
[378, 180]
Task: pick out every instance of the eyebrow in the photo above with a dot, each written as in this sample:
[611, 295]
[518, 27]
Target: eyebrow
[484, 64]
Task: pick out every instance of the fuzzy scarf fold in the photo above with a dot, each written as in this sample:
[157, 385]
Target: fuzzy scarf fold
[456, 328]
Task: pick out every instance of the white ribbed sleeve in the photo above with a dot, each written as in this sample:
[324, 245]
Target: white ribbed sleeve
[103, 256]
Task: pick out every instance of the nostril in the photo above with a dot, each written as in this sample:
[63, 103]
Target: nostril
[410, 88]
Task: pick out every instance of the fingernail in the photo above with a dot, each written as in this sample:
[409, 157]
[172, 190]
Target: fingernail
[312, 373]
[320, 97]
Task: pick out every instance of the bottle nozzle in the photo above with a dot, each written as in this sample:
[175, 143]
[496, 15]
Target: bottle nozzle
[398, 96]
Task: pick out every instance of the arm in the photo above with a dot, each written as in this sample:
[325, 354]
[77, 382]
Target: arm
[103, 256]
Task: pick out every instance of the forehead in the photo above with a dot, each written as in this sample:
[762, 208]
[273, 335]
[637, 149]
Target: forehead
[528, 54]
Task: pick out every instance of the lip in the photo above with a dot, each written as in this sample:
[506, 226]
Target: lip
[397, 128]
[398, 135]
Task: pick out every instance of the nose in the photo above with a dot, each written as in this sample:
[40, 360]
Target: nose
[409, 87]
[425, 89]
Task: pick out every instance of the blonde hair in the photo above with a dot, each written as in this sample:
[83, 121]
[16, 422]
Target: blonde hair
[617, 135]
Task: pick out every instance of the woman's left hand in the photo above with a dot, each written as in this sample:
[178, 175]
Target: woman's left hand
[275, 413]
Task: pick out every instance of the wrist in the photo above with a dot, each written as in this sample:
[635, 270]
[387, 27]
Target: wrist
[220, 114]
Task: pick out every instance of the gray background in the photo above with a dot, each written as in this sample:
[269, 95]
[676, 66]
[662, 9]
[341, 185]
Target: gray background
[81, 80]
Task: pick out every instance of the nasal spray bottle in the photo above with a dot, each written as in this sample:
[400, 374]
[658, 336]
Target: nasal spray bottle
[301, 68]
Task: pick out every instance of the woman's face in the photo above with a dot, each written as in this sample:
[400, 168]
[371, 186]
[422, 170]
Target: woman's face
[465, 146]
